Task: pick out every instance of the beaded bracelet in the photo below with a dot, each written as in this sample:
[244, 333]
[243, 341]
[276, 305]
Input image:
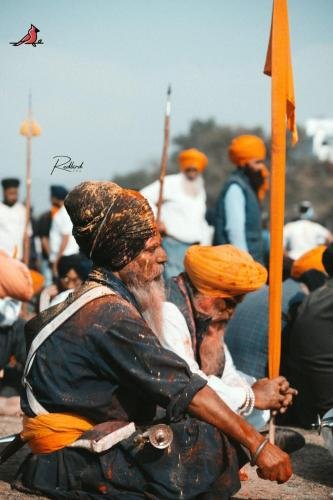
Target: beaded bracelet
[252, 400]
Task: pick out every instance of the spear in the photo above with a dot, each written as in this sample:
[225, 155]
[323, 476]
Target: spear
[164, 159]
[29, 128]
[26, 239]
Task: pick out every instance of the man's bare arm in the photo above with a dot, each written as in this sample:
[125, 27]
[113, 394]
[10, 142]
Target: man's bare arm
[273, 463]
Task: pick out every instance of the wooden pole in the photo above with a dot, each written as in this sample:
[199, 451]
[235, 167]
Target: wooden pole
[165, 152]
[26, 249]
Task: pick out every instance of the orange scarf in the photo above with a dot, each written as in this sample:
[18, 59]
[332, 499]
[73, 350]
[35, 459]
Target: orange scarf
[53, 431]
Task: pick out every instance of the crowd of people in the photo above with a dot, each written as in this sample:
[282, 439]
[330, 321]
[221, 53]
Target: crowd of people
[129, 331]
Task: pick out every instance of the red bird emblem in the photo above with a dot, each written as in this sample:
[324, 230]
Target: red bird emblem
[30, 38]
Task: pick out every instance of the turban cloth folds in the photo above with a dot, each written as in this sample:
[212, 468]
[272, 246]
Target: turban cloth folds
[223, 271]
[245, 148]
[111, 225]
[309, 260]
[192, 158]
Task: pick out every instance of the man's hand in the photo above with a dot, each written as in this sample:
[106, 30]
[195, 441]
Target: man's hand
[274, 464]
[273, 394]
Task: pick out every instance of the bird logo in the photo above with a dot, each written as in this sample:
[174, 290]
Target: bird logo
[30, 38]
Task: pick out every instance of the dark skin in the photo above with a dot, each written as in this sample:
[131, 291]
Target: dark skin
[273, 463]
[10, 196]
[270, 394]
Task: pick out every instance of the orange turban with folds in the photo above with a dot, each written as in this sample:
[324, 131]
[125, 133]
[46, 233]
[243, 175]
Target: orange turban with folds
[309, 260]
[245, 148]
[192, 158]
[223, 271]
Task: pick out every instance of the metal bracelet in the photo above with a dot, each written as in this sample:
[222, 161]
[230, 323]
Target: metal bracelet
[256, 454]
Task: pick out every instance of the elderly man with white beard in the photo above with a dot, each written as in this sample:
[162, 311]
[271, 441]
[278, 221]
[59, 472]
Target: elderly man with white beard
[183, 211]
[96, 373]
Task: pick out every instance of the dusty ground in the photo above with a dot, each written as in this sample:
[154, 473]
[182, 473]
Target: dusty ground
[312, 479]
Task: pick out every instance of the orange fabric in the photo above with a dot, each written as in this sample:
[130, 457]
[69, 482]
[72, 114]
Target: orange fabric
[53, 431]
[223, 271]
[192, 158]
[37, 280]
[54, 210]
[278, 66]
[245, 148]
[309, 260]
[15, 279]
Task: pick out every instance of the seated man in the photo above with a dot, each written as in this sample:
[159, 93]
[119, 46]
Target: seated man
[98, 367]
[216, 279]
[311, 352]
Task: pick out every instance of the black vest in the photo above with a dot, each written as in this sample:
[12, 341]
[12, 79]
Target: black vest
[253, 216]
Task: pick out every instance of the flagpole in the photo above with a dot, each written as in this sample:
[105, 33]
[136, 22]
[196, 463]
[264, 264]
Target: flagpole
[278, 66]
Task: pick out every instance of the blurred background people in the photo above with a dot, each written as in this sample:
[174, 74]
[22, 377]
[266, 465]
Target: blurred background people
[61, 240]
[238, 209]
[310, 360]
[12, 219]
[72, 270]
[183, 213]
[246, 332]
[43, 232]
[303, 234]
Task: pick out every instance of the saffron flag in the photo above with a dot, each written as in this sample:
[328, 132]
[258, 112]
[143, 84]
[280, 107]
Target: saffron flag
[278, 66]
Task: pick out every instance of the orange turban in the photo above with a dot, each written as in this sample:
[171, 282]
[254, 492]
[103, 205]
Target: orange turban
[250, 147]
[246, 147]
[15, 279]
[223, 271]
[192, 158]
[309, 260]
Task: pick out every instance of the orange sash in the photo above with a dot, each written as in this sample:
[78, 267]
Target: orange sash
[53, 431]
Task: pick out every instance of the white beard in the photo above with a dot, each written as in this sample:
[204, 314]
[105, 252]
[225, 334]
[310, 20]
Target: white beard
[151, 296]
[192, 188]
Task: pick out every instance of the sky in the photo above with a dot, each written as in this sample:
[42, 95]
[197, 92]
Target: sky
[99, 79]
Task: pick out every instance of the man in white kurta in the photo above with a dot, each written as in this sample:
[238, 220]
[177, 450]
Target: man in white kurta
[303, 234]
[62, 241]
[183, 212]
[12, 219]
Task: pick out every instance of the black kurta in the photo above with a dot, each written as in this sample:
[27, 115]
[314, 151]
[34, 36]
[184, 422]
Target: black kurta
[104, 363]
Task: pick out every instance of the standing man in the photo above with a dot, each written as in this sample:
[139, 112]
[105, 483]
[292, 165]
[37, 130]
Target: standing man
[183, 215]
[238, 211]
[61, 239]
[12, 219]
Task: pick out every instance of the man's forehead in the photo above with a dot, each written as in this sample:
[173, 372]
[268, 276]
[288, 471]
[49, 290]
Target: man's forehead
[154, 240]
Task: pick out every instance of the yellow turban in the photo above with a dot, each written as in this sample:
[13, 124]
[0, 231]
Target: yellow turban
[223, 271]
[309, 260]
[192, 158]
[245, 148]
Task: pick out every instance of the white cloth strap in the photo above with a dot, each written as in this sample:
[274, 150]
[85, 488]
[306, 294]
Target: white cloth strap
[85, 298]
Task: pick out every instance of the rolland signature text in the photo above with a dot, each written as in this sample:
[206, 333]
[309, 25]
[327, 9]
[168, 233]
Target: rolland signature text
[65, 163]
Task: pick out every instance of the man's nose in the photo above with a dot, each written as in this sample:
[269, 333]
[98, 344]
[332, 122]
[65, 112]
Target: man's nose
[161, 256]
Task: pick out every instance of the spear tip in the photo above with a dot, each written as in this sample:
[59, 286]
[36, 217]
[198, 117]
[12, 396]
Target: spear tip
[169, 89]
